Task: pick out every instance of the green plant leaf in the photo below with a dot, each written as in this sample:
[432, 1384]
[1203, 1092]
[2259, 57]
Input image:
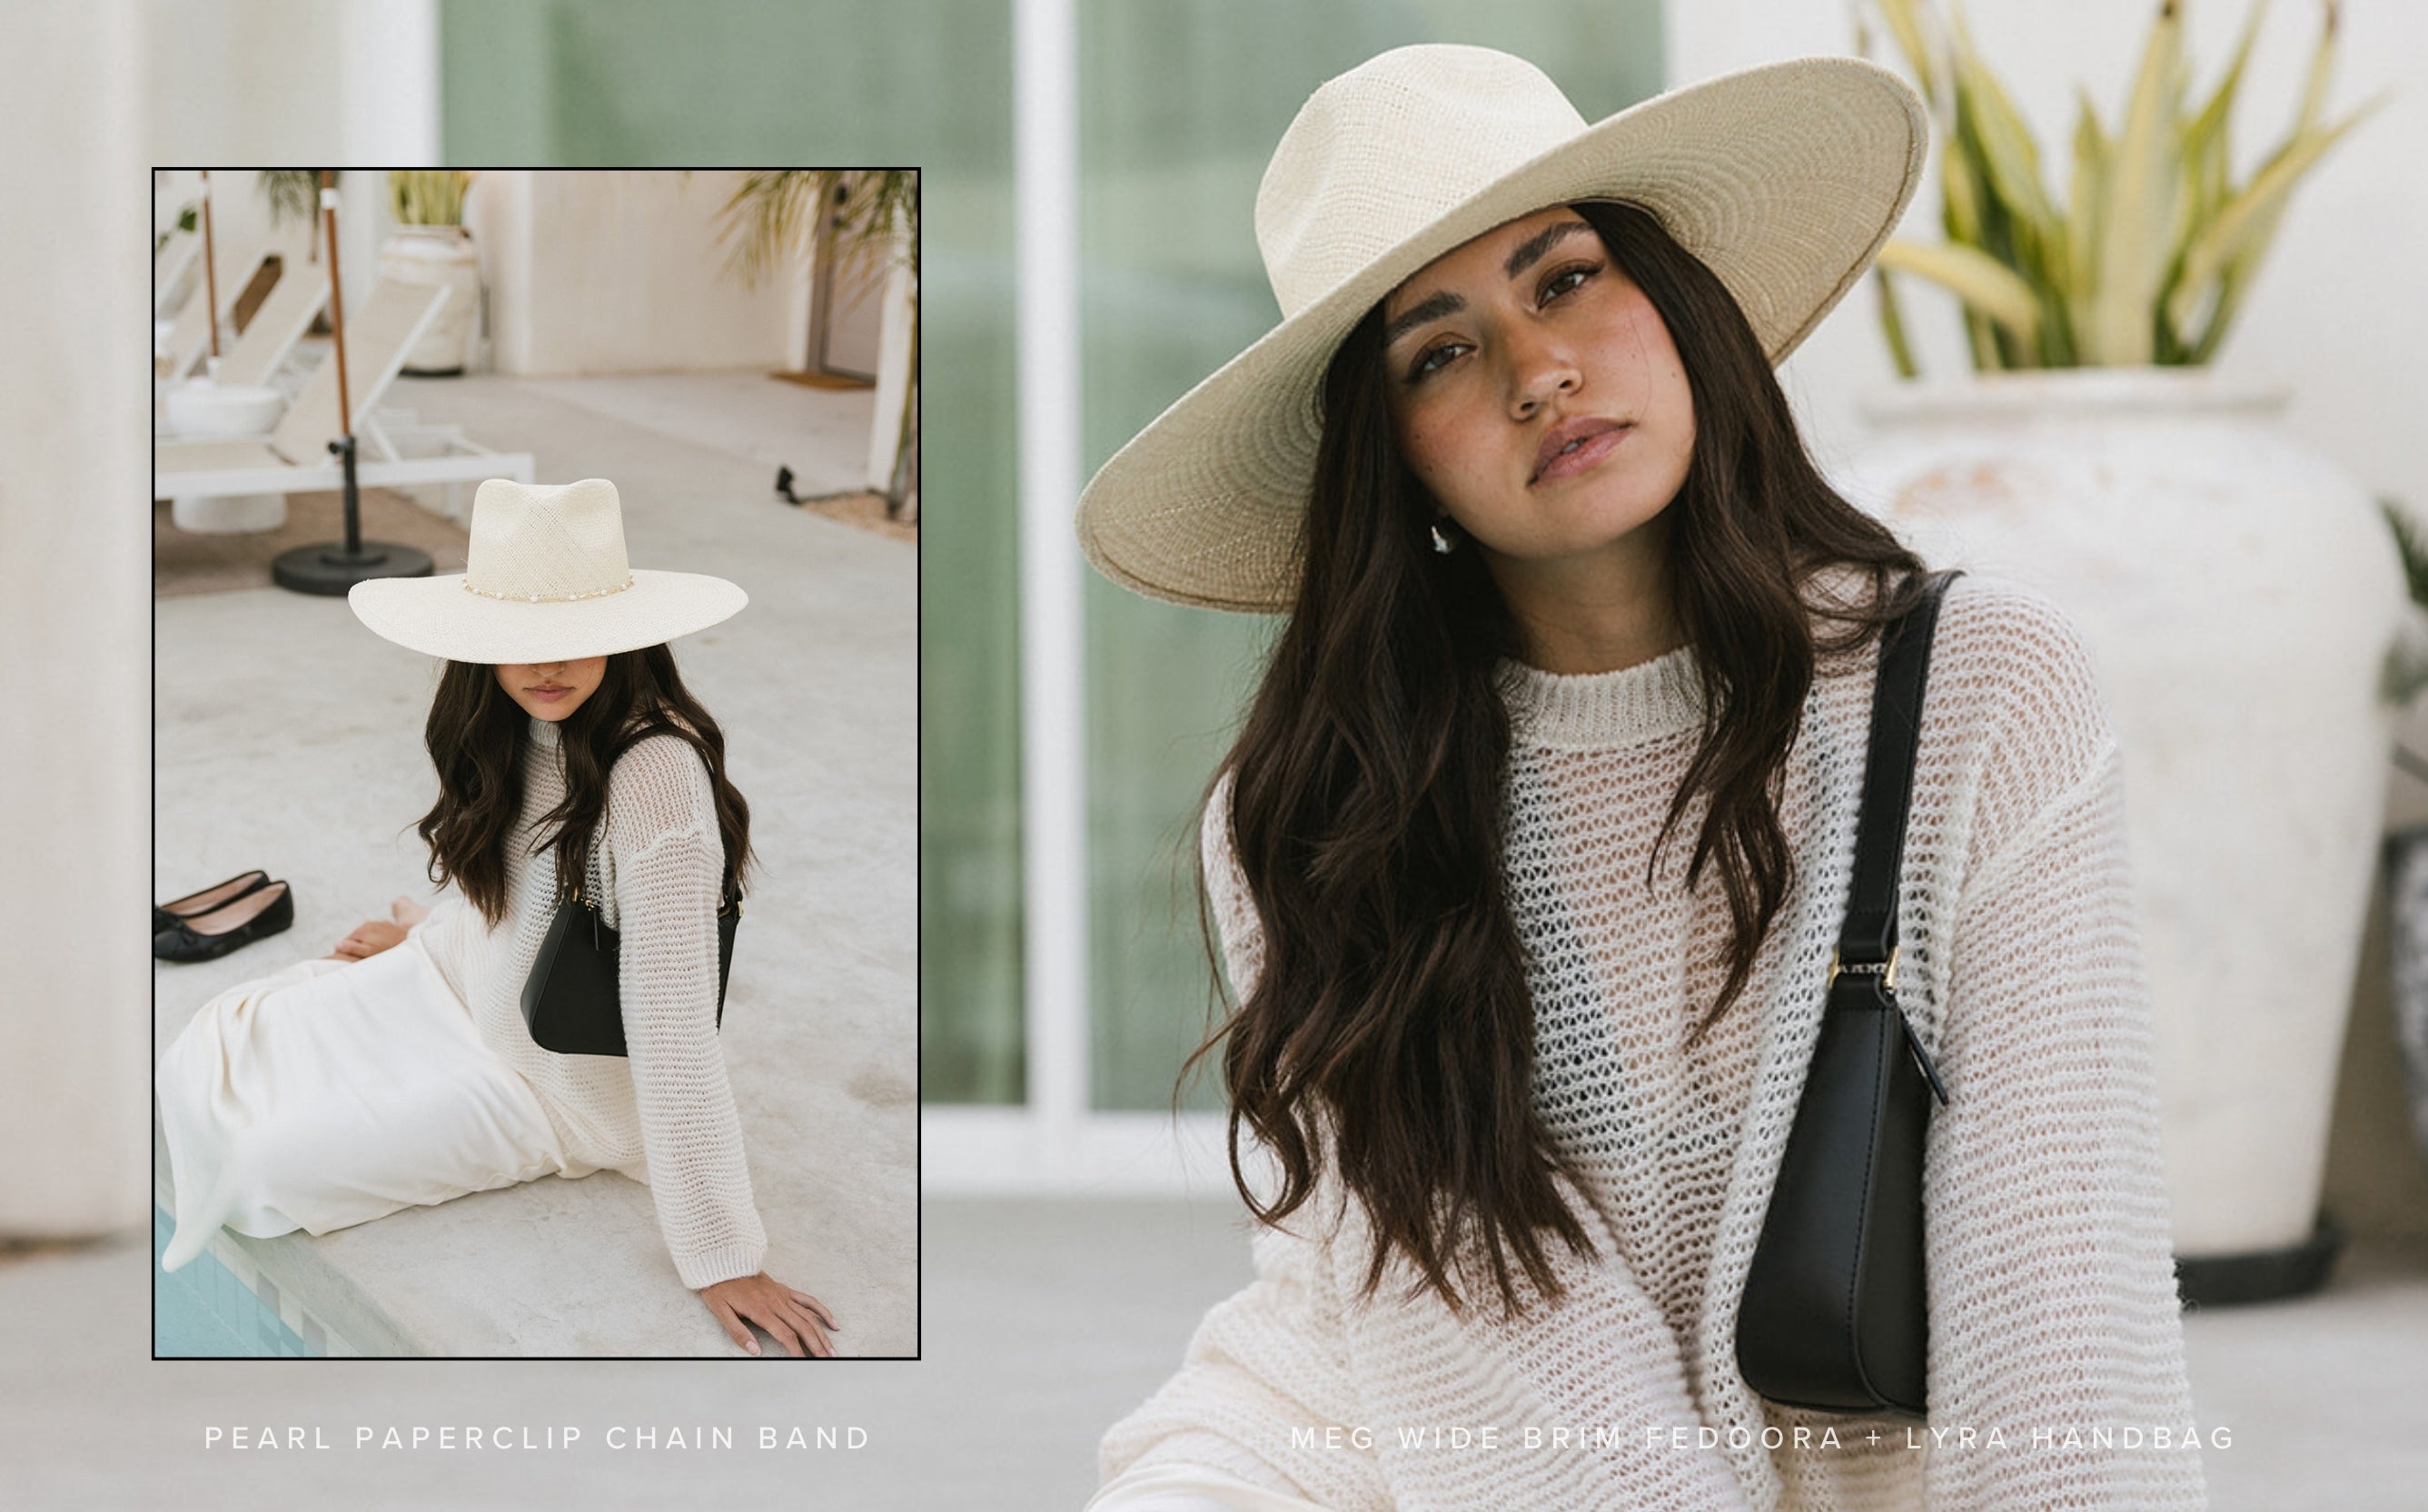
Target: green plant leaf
[2012, 158]
[2247, 222]
[2408, 542]
[427, 196]
[1983, 283]
[2140, 205]
[2208, 138]
[1904, 20]
[2323, 62]
[1892, 327]
[2086, 210]
[773, 218]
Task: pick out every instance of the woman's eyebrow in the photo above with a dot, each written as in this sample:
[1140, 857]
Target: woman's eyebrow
[1526, 256]
[1531, 250]
[1416, 315]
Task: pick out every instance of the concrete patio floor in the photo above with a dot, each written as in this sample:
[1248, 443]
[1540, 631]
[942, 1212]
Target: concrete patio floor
[289, 737]
[1044, 1322]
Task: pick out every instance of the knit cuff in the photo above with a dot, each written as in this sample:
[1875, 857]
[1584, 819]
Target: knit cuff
[721, 1263]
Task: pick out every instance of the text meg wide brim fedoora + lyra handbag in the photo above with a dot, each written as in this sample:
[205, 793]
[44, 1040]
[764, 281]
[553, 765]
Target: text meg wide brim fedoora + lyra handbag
[572, 1004]
[1832, 1317]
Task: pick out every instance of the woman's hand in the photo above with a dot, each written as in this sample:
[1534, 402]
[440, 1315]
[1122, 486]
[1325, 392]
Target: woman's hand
[376, 934]
[368, 938]
[793, 1317]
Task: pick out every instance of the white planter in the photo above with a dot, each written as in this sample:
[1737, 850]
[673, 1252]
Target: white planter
[200, 410]
[229, 513]
[429, 255]
[2240, 593]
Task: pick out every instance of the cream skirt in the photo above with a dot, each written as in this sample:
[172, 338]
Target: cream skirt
[333, 1093]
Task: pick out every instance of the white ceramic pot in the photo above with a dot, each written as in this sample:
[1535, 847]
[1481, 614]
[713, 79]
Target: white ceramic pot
[2241, 594]
[434, 255]
[200, 410]
[229, 513]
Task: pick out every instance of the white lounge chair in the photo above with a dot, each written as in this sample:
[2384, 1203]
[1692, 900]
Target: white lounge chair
[295, 457]
[189, 338]
[239, 401]
[175, 258]
[286, 314]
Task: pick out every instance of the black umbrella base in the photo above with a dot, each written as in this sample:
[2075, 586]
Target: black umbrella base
[328, 570]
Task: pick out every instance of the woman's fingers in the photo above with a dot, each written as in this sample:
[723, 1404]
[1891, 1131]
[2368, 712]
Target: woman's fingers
[787, 1333]
[806, 1324]
[735, 1328]
[824, 1313]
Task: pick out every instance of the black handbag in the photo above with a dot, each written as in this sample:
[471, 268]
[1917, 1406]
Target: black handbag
[1832, 1316]
[570, 1001]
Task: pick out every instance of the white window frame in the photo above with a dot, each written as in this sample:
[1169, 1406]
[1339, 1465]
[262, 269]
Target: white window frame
[1055, 1142]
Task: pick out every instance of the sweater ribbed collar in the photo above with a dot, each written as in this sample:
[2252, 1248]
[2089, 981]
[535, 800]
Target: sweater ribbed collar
[543, 734]
[1589, 711]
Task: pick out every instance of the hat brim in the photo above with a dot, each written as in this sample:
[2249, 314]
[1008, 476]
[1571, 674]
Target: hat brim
[1784, 180]
[440, 617]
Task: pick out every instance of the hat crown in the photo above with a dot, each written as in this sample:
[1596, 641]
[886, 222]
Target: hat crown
[547, 543]
[1379, 153]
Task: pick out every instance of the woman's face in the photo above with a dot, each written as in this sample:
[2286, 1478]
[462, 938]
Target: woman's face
[1536, 392]
[552, 690]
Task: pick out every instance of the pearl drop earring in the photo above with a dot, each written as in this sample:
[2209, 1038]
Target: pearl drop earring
[1443, 545]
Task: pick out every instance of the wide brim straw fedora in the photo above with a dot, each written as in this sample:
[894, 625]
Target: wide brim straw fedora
[546, 578]
[1784, 180]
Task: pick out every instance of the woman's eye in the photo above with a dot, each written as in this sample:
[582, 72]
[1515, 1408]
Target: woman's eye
[1433, 358]
[1565, 280]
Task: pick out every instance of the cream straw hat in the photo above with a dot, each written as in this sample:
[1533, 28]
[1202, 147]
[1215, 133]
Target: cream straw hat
[545, 579]
[1784, 180]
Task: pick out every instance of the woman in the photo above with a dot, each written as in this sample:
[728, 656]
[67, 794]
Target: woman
[1530, 857]
[400, 1070]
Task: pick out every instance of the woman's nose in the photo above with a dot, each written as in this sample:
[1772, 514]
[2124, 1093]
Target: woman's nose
[1541, 365]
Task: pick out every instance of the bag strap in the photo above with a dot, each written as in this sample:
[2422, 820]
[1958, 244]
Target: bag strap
[1868, 940]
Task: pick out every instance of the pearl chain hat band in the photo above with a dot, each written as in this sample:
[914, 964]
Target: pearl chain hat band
[1784, 180]
[545, 579]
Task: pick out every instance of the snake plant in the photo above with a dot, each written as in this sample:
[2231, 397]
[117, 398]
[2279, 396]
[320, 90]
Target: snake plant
[2150, 256]
[428, 196]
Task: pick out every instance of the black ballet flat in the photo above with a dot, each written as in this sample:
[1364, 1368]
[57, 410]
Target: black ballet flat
[168, 915]
[257, 915]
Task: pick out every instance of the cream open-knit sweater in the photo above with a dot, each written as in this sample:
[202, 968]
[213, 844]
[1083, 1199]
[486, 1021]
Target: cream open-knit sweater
[2056, 1344]
[666, 1115]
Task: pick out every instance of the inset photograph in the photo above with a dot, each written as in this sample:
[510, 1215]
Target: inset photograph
[535, 576]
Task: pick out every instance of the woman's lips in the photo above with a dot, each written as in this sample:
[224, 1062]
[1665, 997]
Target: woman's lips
[547, 695]
[1591, 443]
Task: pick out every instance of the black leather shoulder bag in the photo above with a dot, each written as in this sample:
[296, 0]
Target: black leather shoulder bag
[570, 1001]
[1833, 1317]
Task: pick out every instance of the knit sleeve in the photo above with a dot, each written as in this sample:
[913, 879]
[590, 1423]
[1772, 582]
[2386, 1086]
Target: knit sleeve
[2053, 1315]
[668, 864]
[1264, 1394]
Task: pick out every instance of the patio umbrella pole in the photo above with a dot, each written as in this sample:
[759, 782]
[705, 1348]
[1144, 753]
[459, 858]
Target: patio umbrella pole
[336, 568]
[211, 276]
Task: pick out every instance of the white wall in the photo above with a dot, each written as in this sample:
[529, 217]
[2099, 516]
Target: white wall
[618, 270]
[74, 608]
[890, 357]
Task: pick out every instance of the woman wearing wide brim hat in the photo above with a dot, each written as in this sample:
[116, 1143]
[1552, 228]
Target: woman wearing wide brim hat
[401, 1071]
[1528, 863]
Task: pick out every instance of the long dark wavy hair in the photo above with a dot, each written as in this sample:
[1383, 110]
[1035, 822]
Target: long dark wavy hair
[475, 736]
[1391, 1029]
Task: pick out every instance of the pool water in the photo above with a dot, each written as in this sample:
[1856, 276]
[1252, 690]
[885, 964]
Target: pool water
[205, 1310]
